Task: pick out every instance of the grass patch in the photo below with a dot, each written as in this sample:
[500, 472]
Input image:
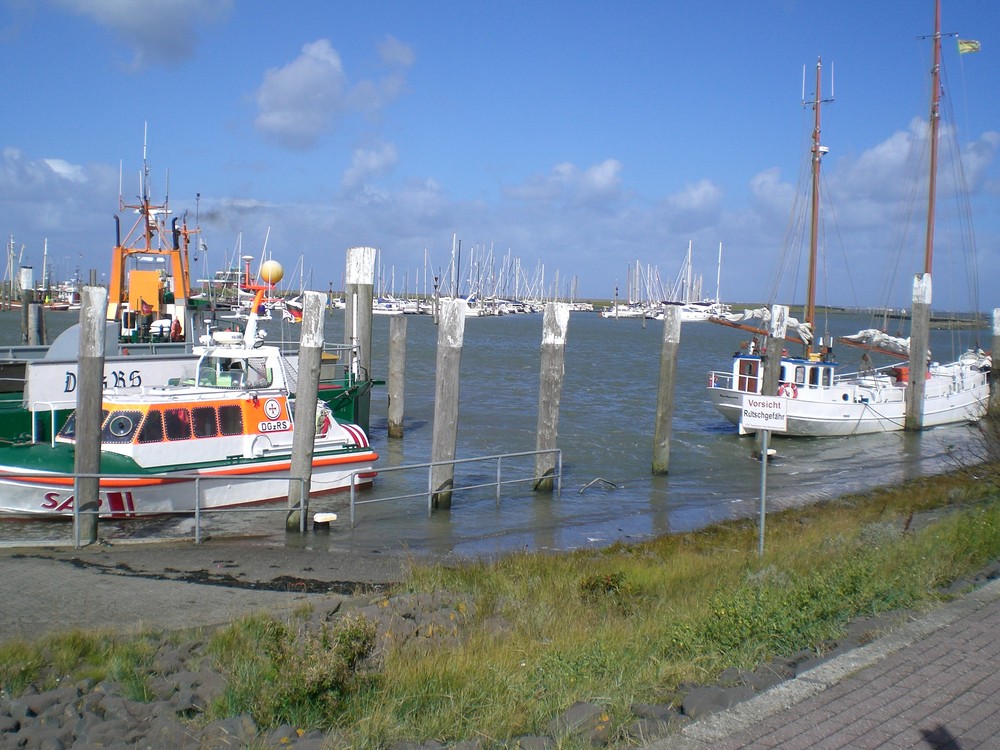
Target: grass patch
[98, 656]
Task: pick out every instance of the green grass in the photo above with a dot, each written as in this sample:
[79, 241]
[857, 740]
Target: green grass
[625, 624]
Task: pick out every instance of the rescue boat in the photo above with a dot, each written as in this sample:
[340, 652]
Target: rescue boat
[217, 439]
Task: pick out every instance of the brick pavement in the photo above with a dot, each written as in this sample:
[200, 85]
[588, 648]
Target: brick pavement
[932, 684]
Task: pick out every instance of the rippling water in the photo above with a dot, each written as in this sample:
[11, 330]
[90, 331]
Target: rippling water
[605, 433]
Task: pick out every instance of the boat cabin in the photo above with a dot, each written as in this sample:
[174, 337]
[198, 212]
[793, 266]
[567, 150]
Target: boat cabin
[797, 372]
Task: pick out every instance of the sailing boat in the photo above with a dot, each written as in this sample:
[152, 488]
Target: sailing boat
[820, 400]
[693, 309]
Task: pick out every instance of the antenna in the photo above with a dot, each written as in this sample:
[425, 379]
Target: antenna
[803, 84]
[832, 70]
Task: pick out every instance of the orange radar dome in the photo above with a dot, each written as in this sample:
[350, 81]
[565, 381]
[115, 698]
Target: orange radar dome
[271, 272]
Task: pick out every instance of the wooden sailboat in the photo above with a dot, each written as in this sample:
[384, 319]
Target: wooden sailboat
[822, 401]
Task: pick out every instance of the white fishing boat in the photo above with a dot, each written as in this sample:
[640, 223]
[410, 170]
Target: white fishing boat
[822, 401]
[218, 439]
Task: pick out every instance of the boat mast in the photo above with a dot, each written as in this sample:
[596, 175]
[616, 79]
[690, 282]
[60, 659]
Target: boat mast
[718, 277]
[935, 116]
[818, 151]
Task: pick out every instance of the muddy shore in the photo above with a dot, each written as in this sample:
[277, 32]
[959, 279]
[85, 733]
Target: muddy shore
[178, 585]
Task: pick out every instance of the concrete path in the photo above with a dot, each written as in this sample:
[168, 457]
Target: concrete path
[934, 683]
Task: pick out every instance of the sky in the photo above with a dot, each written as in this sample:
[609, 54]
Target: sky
[571, 140]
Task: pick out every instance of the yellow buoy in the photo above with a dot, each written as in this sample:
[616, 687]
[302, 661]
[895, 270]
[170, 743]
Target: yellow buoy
[271, 272]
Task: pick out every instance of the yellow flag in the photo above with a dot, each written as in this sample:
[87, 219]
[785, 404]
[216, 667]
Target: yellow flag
[967, 45]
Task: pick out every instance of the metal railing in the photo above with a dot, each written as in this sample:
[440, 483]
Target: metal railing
[199, 510]
[431, 492]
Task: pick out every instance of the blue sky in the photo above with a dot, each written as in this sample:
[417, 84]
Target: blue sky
[579, 137]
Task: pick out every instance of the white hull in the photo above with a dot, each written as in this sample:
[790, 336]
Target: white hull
[25, 494]
[954, 394]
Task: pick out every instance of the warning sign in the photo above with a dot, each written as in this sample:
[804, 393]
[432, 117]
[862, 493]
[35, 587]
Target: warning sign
[764, 413]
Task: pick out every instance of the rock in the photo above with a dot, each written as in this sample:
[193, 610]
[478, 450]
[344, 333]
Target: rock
[531, 742]
[585, 721]
[235, 732]
[708, 700]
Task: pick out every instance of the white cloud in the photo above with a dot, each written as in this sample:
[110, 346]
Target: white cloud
[71, 172]
[701, 196]
[158, 31]
[568, 183]
[370, 162]
[298, 103]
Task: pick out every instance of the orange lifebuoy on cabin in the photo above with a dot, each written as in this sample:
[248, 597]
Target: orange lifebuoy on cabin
[788, 389]
[175, 330]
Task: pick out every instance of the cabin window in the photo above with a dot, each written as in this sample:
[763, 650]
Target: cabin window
[814, 376]
[258, 375]
[230, 420]
[68, 430]
[205, 421]
[120, 426]
[177, 423]
[827, 376]
[800, 374]
[152, 429]
[748, 375]
[231, 375]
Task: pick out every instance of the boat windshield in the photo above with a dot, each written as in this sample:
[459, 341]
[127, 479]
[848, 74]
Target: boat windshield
[68, 430]
[227, 372]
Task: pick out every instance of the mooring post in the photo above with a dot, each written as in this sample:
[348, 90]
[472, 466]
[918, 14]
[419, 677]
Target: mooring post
[90, 389]
[444, 436]
[994, 405]
[920, 324]
[26, 279]
[555, 320]
[397, 374]
[359, 279]
[665, 393]
[303, 439]
[774, 346]
[35, 337]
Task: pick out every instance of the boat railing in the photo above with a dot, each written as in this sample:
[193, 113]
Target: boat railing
[871, 372]
[39, 407]
[496, 480]
[720, 379]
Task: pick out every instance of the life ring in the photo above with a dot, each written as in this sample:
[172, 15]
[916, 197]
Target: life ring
[788, 389]
[175, 330]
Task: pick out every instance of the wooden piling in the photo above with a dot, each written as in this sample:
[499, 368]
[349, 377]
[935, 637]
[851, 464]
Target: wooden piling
[35, 324]
[397, 374]
[774, 346]
[90, 389]
[665, 392]
[554, 324]
[920, 324]
[994, 405]
[359, 279]
[444, 436]
[303, 439]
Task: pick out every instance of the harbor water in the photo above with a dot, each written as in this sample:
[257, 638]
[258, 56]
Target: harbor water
[606, 429]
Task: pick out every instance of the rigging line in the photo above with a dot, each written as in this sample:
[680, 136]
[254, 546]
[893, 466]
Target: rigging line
[963, 201]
